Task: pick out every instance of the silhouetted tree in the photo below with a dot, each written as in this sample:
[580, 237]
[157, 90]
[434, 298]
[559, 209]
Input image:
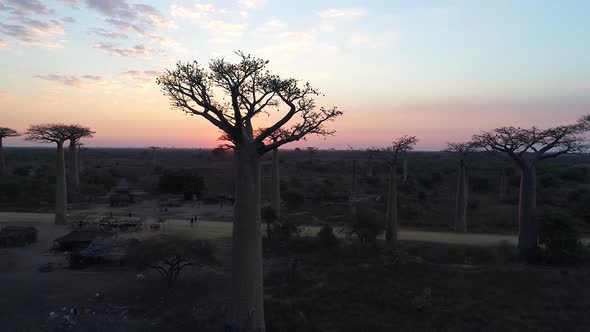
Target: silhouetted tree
[275, 197]
[5, 132]
[405, 169]
[55, 133]
[461, 150]
[391, 155]
[526, 147]
[251, 91]
[370, 157]
[76, 132]
[311, 153]
[154, 156]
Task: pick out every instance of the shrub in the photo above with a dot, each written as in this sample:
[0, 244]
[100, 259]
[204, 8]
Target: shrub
[366, 226]
[326, 237]
[286, 231]
[170, 255]
[184, 182]
[560, 240]
[268, 216]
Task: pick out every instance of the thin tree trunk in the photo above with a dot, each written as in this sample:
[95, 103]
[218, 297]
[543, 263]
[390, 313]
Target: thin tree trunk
[405, 170]
[528, 230]
[461, 204]
[74, 180]
[247, 312]
[276, 185]
[2, 161]
[60, 186]
[392, 215]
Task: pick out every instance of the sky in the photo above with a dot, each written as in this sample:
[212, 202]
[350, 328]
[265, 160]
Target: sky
[441, 70]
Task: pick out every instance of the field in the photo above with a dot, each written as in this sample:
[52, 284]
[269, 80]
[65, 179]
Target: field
[437, 281]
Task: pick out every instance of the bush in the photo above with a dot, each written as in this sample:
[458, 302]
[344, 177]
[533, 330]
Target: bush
[286, 231]
[184, 182]
[326, 237]
[560, 240]
[170, 255]
[366, 226]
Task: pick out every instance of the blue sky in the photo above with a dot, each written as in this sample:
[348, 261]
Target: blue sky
[442, 70]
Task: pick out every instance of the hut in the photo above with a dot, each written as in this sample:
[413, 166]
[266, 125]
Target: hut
[15, 236]
[104, 252]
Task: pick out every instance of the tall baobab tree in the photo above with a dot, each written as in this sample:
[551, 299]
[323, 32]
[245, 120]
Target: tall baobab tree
[55, 133]
[405, 169]
[250, 91]
[5, 132]
[526, 147]
[275, 197]
[154, 156]
[462, 150]
[311, 152]
[76, 133]
[370, 157]
[392, 155]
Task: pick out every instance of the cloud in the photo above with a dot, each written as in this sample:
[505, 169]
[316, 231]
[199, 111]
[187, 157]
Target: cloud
[123, 15]
[141, 76]
[372, 40]
[33, 32]
[252, 3]
[131, 51]
[83, 81]
[199, 10]
[3, 43]
[344, 13]
[224, 31]
[107, 34]
[272, 24]
[24, 7]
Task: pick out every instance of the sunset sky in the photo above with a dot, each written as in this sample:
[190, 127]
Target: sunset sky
[440, 70]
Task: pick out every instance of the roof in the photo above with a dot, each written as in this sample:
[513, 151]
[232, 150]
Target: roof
[18, 229]
[82, 236]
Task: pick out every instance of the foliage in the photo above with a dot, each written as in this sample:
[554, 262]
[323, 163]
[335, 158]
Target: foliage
[560, 239]
[294, 199]
[366, 226]
[285, 230]
[326, 236]
[184, 182]
[170, 255]
[268, 216]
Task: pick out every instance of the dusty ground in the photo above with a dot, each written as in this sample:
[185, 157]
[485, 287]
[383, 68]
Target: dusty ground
[434, 286]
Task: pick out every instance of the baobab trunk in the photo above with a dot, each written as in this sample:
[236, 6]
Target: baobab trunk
[528, 229]
[60, 186]
[392, 217]
[247, 312]
[461, 204]
[405, 171]
[2, 161]
[74, 181]
[276, 184]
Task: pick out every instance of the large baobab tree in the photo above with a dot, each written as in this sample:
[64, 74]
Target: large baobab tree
[55, 133]
[392, 155]
[275, 197]
[526, 147]
[76, 132]
[462, 150]
[250, 90]
[5, 132]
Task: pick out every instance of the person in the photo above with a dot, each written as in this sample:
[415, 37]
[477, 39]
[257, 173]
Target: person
[192, 221]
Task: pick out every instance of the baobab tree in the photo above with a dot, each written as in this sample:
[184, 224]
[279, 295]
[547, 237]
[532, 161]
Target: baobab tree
[392, 155]
[56, 133]
[311, 152]
[275, 197]
[462, 150]
[76, 132]
[526, 147]
[251, 90]
[370, 157]
[5, 132]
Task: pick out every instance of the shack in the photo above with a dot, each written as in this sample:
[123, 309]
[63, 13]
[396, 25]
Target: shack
[103, 252]
[78, 240]
[16, 236]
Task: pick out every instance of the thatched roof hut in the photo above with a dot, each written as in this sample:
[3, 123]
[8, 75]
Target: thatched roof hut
[78, 240]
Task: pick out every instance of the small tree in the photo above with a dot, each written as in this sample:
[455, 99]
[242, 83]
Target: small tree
[391, 155]
[5, 132]
[56, 133]
[269, 217]
[312, 151]
[77, 132]
[462, 150]
[526, 147]
[366, 225]
[250, 90]
[169, 256]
